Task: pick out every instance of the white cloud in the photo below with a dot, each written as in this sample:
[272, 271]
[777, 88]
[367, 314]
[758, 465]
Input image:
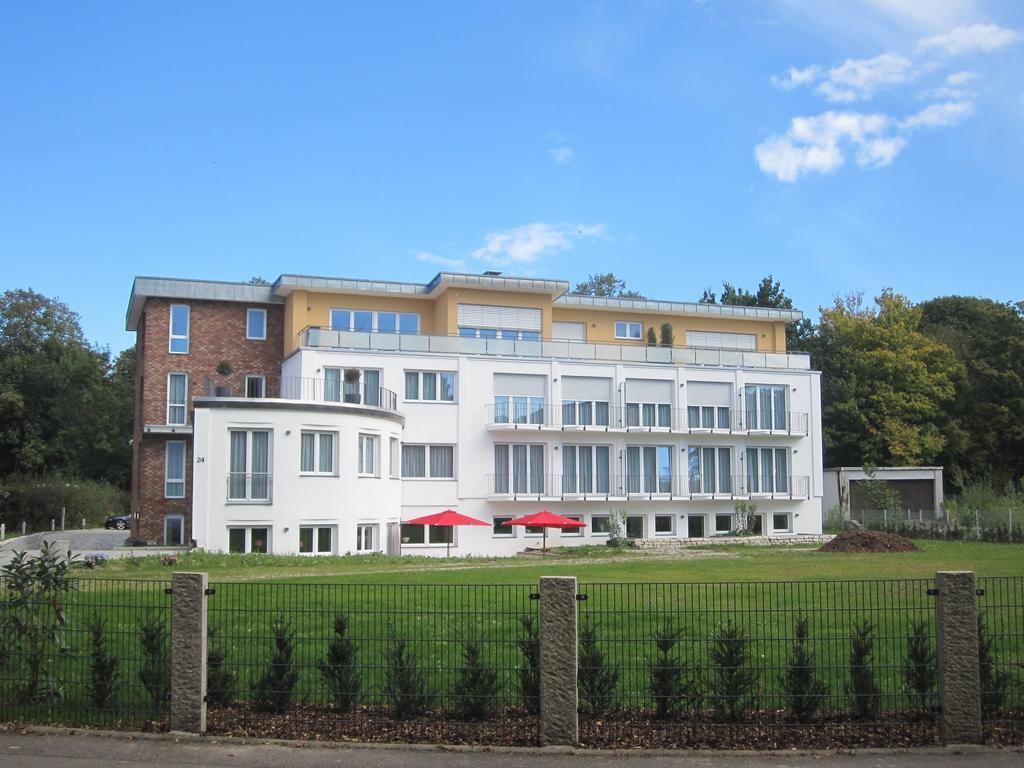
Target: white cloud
[970, 39]
[939, 115]
[858, 79]
[958, 79]
[529, 243]
[795, 77]
[443, 261]
[562, 155]
[953, 88]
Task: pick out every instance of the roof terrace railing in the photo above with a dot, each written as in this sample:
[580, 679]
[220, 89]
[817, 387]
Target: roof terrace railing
[324, 338]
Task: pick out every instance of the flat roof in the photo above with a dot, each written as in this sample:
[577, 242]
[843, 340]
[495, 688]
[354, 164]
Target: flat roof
[209, 290]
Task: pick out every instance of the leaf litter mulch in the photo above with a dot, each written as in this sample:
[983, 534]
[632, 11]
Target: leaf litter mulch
[869, 541]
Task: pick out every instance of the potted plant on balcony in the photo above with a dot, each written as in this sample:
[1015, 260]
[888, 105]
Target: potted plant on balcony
[351, 385]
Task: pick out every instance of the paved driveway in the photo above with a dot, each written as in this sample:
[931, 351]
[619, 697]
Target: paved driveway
[92, 541]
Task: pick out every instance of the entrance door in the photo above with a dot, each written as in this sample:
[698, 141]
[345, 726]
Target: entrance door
[695, 526]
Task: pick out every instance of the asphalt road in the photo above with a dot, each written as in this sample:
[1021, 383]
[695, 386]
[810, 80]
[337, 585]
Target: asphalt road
[86, 750]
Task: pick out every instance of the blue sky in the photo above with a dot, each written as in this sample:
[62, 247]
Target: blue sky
[838, 145]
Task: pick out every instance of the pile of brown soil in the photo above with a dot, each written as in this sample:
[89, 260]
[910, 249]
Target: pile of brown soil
[869, 541]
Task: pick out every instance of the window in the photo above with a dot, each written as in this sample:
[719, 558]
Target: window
[427, 534]
[367, 537]
[508, 334]
[710, 469]
[585, 413]
[395, 466]
[436, 386]
[317, 453]
[767, 470]
[518, 468]
[718, 340]
[634, 527]
[255, 386]
[573, 531]
[177, 398]
[501, 526]
[367, 463]
[361, 386]
[628, 330]
[648, 469]
[249, 540]
[316, 539]
[249, 465]
[664, 525]
[600, 525]
[585, 469]
[413, 534]
[174, 469]
[180, 322]
[780, 523]
[378, 322]
[256, 324]
[648, 414]
[519, 410]
[174, 530]
[441, 464]
[723, 523]
[765, 407]
[708, 417]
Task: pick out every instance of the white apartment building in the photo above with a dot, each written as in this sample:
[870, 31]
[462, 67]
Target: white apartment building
[498, 397]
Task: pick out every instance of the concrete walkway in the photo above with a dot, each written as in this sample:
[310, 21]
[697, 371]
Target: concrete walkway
[91, 541]
[83, 749]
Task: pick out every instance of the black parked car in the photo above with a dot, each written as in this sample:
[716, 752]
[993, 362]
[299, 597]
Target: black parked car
[119, 522]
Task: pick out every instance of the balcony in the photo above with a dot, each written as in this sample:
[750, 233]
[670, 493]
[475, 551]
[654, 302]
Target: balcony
[306, 390]
[314, 337]
[249, 488]
[569, 488]
[536, 414]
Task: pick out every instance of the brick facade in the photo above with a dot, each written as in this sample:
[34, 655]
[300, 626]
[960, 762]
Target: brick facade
[216, 337]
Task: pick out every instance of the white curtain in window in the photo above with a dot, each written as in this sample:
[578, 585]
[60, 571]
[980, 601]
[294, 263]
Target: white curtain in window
[707, 469]
[307, 443]
[260, 465]
[725, 470]
[520, 457]
[448, 386]
[781, 471]
[442, 461]
[569, 484]
[176, 397]
[412, 385]
[429, 386]
[650, 469]
[568, 412]
[239, 441]
[501, 468]
[632, 414]
[536, 469]
[175, 469]
[779, 401]
[332, 385]
[602, 461]
[601, 414]
[586, 473]
[633, 469]
[326, 452]
[371, 387]
[414, 461]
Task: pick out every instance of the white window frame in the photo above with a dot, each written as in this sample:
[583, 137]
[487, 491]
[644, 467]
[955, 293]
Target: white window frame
[510, 476]
[317, 434]
[627, 330]
[593, 525]
[374, 534]
[173, 337]
[315, 550]
[578, 484]
[573, 532]
[439, 377]
[181, 539]
[672, 524]
[576, 409]
[721, 418]
[395, 446]
[428, 533]
[507, 409]
[167, 471]
[256, 377]
[661, 411]
[374, 320]
[247, 548]
[367, 440]
[753, 475]
[250, 313]
[657, 490]
[746, 342]
[765, 421]
[248, 474]
[183, 404]
[362, 391]
[789, 519]
[717, 489]
[512, 529]
[732, 523]
[428, 450]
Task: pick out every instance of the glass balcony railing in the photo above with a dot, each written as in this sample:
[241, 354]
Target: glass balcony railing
[638, 487]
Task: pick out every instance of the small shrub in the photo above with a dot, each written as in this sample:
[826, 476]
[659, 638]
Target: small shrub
[273, 691]
[340, 673]
[155, 672]
[220, 680]
[673, 683]
[919, 670]
[668, 338]
[803, 689]
[475, 690]
[652, 337]
[529, 671]
[405, 685]
[994, 681]
[863, 688]
[103, 665]
[596, 679]
[733, 684]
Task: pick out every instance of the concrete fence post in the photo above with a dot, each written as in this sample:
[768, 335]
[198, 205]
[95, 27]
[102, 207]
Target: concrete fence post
[559, 720]
[956, 615]
[188, 652]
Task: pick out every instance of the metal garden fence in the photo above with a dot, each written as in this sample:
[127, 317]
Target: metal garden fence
[1001, 662]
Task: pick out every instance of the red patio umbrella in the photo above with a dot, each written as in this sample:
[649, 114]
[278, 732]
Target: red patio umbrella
[545, 520]
[449, 518]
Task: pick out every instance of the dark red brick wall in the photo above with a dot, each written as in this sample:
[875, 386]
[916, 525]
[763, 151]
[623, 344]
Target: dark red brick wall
[216, 335]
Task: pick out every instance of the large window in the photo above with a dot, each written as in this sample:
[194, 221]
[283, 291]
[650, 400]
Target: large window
[174, 469]
[585, 469]
[316, 539]
[352, 385]
[368, 451]
[710, 469]
[518, 410]
[720, 340]
[430, 386]
[767, 470]
[374, 321]
[628, 330]
[317, 453]
[509, 334]
[585, 413]
[600, 525]
[518, 468]
[367, 538]
[708, 417]
[245, 540]
[255, 386]
[648, 414]
[664, 525]
[180, 326]
[765, 407]
[427, 534]
[502, 528]
[256, 324]
[177, 398]
[435, 462]
[648, 469]
[249, 463]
